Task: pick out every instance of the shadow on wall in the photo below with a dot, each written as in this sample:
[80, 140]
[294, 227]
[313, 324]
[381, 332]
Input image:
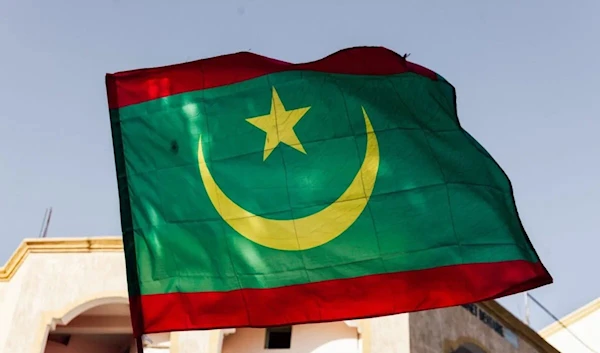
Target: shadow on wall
[89, 343]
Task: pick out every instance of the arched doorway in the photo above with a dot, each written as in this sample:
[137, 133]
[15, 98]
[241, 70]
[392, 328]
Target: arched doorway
[469, 348]
[101, 325]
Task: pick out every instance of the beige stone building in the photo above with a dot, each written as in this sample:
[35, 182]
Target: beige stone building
[70, 295]
[578, 332]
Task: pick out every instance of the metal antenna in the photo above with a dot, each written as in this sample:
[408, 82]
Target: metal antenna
[43, 222]
[526, 308]
[47, 219]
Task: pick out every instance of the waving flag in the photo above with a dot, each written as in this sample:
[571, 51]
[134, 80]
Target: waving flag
[256, 192]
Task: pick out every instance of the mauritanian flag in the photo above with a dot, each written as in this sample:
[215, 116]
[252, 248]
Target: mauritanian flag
[256, 192]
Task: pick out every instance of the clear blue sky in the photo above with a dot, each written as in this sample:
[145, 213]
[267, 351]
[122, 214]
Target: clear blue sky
[526, 73]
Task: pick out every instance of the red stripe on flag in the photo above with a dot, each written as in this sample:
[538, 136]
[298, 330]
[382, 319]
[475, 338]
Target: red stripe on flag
[337, 300]
[137, 86]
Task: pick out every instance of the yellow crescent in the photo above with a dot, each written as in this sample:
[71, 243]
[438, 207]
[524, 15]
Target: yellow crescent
[306, 232]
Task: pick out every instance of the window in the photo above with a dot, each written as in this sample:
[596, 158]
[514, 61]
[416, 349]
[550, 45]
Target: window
[492, 323]
[278, 337]
[471, 308]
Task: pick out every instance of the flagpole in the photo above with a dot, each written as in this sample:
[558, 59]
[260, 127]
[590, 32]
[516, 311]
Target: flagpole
[139, 344]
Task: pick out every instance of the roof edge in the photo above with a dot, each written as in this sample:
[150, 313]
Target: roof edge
[57, 245]
[571, 318]
[513, 323]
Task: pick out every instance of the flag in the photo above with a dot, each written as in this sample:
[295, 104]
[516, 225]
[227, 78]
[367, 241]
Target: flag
[255, 192]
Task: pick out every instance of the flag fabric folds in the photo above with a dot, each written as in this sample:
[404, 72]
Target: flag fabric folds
[255, 192]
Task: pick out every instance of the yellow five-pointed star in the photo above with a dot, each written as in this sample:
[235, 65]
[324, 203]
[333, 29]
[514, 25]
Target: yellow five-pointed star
[279, 125]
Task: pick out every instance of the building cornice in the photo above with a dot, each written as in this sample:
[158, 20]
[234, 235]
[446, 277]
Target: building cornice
[517, 326]
[57, 245]
[571, 318]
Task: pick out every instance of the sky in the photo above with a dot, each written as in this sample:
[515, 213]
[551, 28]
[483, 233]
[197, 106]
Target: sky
[526, 75]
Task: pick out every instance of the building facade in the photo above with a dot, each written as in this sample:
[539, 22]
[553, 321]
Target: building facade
[578, 332]
[70, 295]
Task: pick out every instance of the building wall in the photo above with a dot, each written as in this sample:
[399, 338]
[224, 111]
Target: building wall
[586, 328]
[387, 334]
[335, 337]
[3, 286]
[195, 342]
[47, 281]
[444, 330]
[10, 294]
[51, 283]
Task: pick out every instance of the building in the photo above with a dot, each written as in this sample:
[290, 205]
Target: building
[580, 333]
[69, 295]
